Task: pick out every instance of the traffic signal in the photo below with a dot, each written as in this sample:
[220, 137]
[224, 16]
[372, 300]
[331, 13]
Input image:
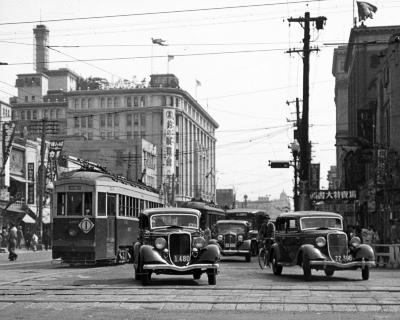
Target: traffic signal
[279, 164]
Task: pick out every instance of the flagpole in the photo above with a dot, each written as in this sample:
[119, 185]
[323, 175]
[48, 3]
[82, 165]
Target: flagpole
[354, 13]
[151, 59]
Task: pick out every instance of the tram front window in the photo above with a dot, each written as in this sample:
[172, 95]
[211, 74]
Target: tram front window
[74, 204]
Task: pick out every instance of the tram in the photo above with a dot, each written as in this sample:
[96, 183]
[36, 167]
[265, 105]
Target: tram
[210, 213]
[95, 216]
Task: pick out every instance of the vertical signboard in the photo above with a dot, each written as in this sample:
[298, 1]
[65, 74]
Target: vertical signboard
[8, 137]
[314, 176]
[54, 153]
[169, 142]
[31, 186]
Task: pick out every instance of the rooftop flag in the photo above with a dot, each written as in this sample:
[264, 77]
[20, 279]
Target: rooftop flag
[198, 83]
[365, 10]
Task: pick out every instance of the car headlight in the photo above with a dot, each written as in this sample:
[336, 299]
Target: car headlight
[240, 237]
[160, 243]
[72, 232]
[220, 237]
[199, 242]
[320, 241]
[355, 242]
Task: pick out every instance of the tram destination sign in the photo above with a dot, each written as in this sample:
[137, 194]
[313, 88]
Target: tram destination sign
[333, 195]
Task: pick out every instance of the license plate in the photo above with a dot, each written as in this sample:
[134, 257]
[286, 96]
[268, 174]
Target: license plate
[181, 258]
[343, 258]
[230, 245]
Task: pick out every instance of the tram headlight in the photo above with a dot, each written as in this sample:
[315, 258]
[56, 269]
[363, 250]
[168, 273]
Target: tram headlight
[72, 232]
[160, 243]
[320, 241]
[199, 242]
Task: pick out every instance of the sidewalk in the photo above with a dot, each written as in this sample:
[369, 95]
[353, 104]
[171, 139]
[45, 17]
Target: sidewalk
[25, 255]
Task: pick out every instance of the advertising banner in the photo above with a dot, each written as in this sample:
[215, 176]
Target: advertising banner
[8, 137]
[53, 155]
[169, 142]
[314, 176]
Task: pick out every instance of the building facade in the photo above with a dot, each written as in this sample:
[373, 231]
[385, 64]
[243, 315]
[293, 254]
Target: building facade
[164, 115]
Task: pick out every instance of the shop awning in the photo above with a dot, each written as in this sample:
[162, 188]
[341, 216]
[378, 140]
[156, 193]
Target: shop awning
[28, 219]
[19, 179]
[45, 213]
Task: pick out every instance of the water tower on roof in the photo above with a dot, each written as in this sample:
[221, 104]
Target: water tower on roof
[40, 49]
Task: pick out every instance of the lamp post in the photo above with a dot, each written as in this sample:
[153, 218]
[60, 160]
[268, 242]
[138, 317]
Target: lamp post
[295, 147]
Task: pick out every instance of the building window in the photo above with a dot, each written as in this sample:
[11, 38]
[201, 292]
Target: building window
[83, 103]
[52, 113]
[90, 122]
[22, 115]
[90, 135]
[109, 120]
[28, 115]
[58, 112]
[163, 101]
[109, 135]
[34, 115]
[135, 101]
[142, 101]
[26, 98]
[33, 98]
[102, 120]
[136, 119]
[116, 120]
[129, 120]
[76, 122]
[142, 120]
[83, 122]
[116, 102]
[103, 103]
[76, 103]
[90, 103]
[129, 102]
[109, 103]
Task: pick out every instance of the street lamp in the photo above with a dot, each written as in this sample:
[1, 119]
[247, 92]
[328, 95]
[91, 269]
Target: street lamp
[295, 148]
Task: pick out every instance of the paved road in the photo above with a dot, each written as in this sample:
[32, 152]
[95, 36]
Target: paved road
[34, 288]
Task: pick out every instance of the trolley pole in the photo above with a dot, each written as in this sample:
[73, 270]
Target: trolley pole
[305, 152]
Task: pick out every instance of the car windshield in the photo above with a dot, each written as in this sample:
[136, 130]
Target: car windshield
[174, 219]
[231, 227]
[321, 223]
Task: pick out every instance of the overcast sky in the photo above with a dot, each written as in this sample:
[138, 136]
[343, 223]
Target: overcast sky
[236, 52]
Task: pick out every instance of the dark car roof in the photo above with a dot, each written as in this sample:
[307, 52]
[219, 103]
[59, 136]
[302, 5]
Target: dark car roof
[301, 214]
[233, 221]
[150, 212]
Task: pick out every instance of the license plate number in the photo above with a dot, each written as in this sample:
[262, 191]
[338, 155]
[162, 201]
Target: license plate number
[181, 258]
[230, 245]
[343, 258]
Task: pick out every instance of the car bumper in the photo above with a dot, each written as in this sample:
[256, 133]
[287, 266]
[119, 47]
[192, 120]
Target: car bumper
[348, 265]
[201, 266]
[234, 252]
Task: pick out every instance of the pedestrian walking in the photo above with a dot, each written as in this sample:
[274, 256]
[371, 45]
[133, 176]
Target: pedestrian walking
[12, 244]
[20, 237]
[4, 242]
[34, 241]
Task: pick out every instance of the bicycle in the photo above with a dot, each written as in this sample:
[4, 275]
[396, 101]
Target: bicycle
[263, 255]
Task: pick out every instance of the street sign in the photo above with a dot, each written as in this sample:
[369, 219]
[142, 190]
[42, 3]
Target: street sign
[279, 164]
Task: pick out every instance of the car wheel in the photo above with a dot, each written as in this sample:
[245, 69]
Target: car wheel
[196, 275]
[276, 268]
[365, 273]
[146, 277]
[306, 268]
[262, 258]
[329, 273]
[248, 257]
[212, 278]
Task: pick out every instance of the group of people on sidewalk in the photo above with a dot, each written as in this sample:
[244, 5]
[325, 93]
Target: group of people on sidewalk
[13, 238]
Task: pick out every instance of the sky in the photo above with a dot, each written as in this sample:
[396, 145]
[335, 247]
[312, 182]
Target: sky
[236, 50]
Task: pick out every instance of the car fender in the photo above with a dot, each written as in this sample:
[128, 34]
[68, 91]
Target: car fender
[246, 245]
[210, 253]
[275, 250]
[310, 252]
[136, 250]
[150, 255]
[364, 251]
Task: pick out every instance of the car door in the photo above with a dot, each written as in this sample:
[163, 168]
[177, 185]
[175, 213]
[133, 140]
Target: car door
[290, 239]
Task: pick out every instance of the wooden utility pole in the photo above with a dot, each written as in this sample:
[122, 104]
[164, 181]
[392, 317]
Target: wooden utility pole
[42, 178]
[305, 154]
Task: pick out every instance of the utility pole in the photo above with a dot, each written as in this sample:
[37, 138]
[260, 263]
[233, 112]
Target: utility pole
[42, 178]
[305, 154]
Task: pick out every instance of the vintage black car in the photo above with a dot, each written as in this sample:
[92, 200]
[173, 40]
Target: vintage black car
[315, 240]
[234, 238]
[171, 242]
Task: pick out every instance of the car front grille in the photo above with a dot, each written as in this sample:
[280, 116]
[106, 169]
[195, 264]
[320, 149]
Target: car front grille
[230, 241]
[337, 245]
[180, 248]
